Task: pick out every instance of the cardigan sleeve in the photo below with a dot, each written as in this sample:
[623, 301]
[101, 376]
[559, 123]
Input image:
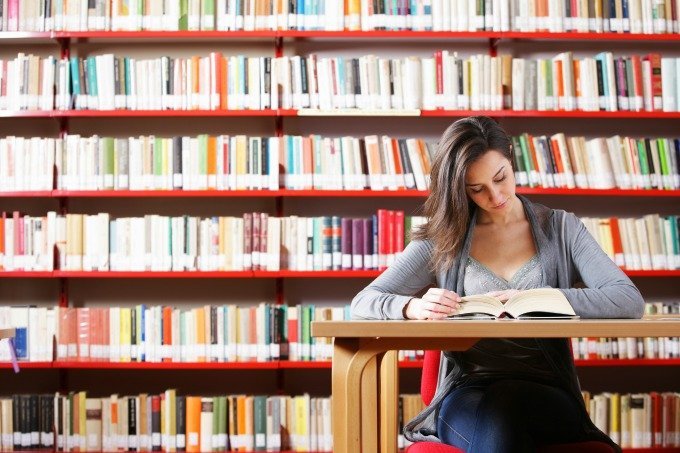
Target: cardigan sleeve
[609, 293]
[386, 296]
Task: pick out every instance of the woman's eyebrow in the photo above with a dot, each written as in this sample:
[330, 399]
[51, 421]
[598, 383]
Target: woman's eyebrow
[479, 183]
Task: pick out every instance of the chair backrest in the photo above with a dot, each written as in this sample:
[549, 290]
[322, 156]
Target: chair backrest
[428, 379]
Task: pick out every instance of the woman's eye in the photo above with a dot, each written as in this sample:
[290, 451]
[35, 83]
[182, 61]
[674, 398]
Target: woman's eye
[476, 190]
[500, 180]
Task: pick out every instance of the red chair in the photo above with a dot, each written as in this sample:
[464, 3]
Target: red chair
[428, 386]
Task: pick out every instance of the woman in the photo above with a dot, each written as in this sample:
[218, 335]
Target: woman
[502, 395]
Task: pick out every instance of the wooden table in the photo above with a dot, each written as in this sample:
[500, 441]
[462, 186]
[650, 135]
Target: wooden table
[6, 333]
[365, 378]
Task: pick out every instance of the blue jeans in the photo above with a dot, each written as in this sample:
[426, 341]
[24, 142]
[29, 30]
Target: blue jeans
[509, 416]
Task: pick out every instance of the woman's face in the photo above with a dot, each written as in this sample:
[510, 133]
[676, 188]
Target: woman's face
[490, 182]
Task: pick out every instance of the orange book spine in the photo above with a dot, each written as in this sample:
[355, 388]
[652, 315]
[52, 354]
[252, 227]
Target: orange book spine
[212, 162]
[307, 162]
[557, 157]
[559, 76]
[241, 419]
[200, 334]
[167, 331]
[195, 76]
[398, 165]
[617, 243]
[193, 424]
[532, 149]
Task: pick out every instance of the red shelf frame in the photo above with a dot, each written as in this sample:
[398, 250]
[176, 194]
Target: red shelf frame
[396, 34]
[285, 364]
[26, 274]
[329, 114]
[287, 193]
[153, 274]
[248, 274]
[549, 114]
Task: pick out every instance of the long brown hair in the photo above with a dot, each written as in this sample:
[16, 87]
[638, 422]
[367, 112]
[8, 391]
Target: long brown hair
[448, 207]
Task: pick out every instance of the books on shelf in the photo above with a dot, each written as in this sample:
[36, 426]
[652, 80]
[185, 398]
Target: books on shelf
[315, 162]
[443, 81]
[144, 333]
[167, 421]
[255, 241]
[637, 420]
[436, 15]
[258, 241]
[632, 348]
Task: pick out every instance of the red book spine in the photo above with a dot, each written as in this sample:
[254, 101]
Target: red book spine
[264, 230]
[655, 63]
[256, 241]
[616, 241]
[247, 241]
[637, 82]
[440, 77]
[398, 232]
[383, 239]
[391, 244]
[657, 418]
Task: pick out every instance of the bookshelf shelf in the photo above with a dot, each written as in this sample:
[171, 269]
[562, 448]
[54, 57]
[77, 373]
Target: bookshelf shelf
[563, 114]
[332, 113]
[286, 193]
[339, 34]
[286, 365]
[249, 274]
[153, 274]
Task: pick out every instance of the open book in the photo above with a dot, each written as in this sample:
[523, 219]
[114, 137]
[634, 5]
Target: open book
[531, 303]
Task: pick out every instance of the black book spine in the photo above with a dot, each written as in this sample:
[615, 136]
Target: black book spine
[267, 81]
[600, 80]
[133, 334]
[16, 421]
[303, 75]
[213, 331]
[132, 423]
[177, 161]
[264, 170]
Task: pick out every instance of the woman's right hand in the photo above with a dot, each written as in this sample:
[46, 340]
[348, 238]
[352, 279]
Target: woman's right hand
[437, 303]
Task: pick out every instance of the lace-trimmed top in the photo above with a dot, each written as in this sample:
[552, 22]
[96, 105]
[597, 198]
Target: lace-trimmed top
[504, 358]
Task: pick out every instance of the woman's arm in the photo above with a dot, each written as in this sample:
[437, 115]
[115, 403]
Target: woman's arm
[386, 296]
[609, 292]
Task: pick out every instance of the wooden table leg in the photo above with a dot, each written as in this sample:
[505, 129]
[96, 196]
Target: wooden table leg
[369, 406]
[389, 394]
[346, 431]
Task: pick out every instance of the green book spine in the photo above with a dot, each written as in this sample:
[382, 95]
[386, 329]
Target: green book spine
[183, 15]
[664, 159]
[526, 156]
[216, 424]
[642, 157]
[109, 163]
[75, 76]
[407, 229]
[203, 156]
[92, 82]
[260, 414]
[157, 160]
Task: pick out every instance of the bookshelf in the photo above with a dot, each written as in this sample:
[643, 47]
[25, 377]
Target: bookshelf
[275, 285]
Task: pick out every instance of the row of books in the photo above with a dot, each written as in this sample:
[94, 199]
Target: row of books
[372, 162]
[643, 243]
[598, 163]
[635, 16]
[445, 80]
[166, 422]
[586, 348]
[142, 333]
[218, 162]
[255, 241]
[258, 241]
[223, 333]
[637, 420]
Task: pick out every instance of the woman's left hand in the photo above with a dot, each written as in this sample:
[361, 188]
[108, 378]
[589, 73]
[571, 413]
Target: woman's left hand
[503, 295]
